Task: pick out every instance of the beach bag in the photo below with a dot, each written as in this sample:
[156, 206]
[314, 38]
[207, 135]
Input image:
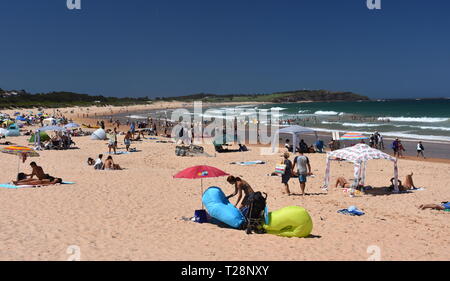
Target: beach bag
[280, 168]
[200, 216]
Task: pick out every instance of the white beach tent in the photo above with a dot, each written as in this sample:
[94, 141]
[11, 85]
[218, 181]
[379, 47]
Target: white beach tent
[291, 130]
[99, 134]
[358, 154]
[49, 121]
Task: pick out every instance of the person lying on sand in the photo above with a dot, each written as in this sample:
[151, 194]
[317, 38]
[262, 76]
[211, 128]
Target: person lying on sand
[445, 206]
[109, 164]
[343, 183]
[239, 186]
[48, 181]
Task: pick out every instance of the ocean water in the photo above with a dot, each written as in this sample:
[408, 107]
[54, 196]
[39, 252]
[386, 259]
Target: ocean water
[417, 119]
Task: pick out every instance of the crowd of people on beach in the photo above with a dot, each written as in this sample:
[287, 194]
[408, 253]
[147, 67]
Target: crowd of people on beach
[299, 167]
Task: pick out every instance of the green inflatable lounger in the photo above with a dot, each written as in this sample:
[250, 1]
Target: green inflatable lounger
[291, 221]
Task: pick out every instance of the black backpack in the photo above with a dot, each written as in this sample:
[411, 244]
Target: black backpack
[256, 203]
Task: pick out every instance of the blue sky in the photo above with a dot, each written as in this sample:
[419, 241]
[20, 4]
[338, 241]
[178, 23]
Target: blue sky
[170, 47]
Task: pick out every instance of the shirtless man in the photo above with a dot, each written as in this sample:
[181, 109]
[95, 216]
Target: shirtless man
[37, 171]
[42, 177]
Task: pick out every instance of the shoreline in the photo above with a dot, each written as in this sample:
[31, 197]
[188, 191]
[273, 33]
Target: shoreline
[436, 151]
[91, 114]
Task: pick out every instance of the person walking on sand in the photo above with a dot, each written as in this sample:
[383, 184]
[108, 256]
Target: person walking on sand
[394, 147]
[287, 173]
[400, 149]
[420, 150]
[303, 169]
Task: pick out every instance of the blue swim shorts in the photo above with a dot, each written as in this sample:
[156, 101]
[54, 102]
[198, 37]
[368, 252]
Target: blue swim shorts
[302, 178]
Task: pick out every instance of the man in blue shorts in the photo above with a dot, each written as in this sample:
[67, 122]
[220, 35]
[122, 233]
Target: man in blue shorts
[303, 169]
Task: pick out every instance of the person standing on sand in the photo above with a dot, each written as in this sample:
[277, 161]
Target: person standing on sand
[303, 168]
[112, 140]
[127, 140]
[420, 149]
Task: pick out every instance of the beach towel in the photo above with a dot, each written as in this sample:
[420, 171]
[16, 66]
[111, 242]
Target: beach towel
[7, 185]
[352, 211]
[118, 152]
[249, 163]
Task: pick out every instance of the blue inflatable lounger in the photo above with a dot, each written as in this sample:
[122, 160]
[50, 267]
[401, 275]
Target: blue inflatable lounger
[218, 207]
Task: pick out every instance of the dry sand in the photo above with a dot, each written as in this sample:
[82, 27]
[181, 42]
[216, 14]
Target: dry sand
[136, 214]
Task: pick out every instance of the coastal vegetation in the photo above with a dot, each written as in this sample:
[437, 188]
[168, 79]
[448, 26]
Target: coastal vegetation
[22, 99]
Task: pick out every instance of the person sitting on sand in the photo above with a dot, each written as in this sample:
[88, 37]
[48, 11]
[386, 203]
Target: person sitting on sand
[408, 183]
[444, 206]
[98, 165]
[239, 186]
[38, 172]
[109, 164]
[288, 146]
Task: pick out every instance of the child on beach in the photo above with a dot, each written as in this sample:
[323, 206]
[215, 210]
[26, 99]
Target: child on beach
[287, 173]
[98, 165]
[420, 150]
[127, 140]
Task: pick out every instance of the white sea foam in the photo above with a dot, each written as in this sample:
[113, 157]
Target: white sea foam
[393, 134]
[414, 119]
[361, 125]
[321, 112]
[303, 111]
[433, 128]
[136, 117]
[278, 108]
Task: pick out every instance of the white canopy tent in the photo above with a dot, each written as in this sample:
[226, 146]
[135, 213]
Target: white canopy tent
[291, 130]
[358, 154]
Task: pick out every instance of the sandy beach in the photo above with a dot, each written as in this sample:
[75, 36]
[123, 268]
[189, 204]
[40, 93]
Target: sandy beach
[137, 213]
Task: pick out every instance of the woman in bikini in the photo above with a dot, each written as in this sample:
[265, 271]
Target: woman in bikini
[110, 165]
[239, 186]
